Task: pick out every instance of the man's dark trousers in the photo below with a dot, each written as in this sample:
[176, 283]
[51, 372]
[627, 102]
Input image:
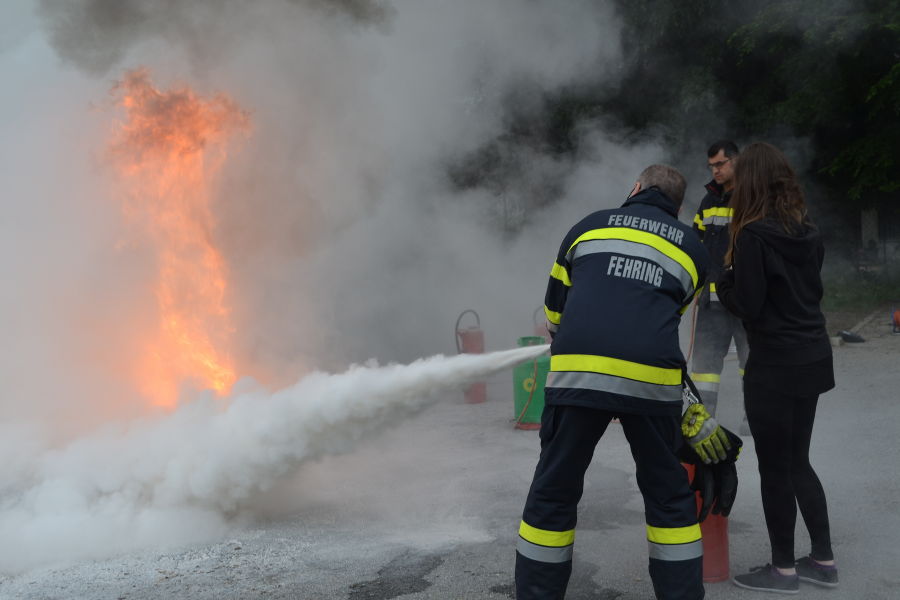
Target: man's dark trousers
[546, 535]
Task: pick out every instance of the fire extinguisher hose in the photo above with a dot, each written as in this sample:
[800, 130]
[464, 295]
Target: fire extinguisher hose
[690, 352]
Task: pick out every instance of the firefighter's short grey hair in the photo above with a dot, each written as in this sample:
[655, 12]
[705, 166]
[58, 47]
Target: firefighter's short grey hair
[668, 179]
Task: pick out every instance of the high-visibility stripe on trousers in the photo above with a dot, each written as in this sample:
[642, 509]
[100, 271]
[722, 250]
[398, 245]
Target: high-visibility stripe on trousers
[546, 542]
[712, 337]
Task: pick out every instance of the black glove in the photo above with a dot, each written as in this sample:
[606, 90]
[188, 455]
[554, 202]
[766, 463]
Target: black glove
[704, 482]
[726, 484]
[717, 485]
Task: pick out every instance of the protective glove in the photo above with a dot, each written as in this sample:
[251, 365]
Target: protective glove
[687, 455]
[704, 482]
[704, 435]
[717, 485]
[724, 488]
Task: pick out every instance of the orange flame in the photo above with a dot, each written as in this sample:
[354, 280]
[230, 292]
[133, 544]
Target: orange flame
[169, 147]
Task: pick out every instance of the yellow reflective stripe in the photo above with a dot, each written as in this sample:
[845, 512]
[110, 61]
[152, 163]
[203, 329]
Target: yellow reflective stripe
[712, 377]
[543, 537]
[559, 272]
[615, 366]
[553, 317]
[741, 371]
[673, 535]
[718, 211]
[712, 287]
[642, 237]
[699, 223]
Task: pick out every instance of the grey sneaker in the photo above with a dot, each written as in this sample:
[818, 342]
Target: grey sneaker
[812, 572]
[768, 579]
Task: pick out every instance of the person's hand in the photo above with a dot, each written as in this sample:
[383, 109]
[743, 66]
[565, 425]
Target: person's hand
[704, 435]
[725, 279]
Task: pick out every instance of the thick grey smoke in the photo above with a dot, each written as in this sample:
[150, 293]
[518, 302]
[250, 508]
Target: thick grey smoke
[345, 235]
[96, 35]
[344, 232]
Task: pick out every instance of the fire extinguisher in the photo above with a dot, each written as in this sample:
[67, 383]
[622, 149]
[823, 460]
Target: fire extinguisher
[471, 341]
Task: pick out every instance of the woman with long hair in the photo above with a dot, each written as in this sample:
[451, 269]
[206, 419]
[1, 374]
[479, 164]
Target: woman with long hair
[773, 283]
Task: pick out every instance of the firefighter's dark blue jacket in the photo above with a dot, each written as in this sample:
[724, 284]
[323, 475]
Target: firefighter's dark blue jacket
[711, 224]
[621, 281]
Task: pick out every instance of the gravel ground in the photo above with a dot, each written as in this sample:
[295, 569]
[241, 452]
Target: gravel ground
[430, 510]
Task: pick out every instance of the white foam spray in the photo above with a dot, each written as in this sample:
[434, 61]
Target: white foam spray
[184, 477]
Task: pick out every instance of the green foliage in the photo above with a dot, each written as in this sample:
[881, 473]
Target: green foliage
[850, 289]
[826, 72]
[832, 73]
[871, 161]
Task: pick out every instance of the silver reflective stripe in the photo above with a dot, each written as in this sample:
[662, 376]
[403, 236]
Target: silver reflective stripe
[714, 297]
[717, 220]
[706, 430]
[545, 554]
[707, 386]
[676, 551]
[552, 327]
[616, 385]
[639, 250]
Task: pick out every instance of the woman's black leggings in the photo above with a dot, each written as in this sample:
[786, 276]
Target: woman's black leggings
[782, 428]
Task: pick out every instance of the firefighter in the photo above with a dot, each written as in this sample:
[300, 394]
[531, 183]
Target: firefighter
[716, 327]
[621, 281]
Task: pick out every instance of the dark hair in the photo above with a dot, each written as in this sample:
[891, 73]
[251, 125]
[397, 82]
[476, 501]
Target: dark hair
[730, 148]
[765, 187]
[669, 181]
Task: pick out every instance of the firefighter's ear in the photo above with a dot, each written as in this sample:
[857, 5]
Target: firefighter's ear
[635, 189]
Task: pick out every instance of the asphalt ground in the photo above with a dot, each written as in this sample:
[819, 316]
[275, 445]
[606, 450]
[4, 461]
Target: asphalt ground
[430, 509]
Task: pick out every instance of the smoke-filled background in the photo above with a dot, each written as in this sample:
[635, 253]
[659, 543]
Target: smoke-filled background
[402, 162]
[340, 215]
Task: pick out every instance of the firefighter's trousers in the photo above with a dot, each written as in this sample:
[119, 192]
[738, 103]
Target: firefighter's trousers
[547, 532]
[712, 338]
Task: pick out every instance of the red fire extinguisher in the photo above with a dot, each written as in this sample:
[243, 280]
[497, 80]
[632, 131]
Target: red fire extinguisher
[714, 530]
[471, 341]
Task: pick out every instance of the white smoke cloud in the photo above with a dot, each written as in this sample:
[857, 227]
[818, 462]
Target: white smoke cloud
[184, 476]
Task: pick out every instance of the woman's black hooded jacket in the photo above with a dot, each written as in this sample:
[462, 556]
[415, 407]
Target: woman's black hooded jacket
[775, 288]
